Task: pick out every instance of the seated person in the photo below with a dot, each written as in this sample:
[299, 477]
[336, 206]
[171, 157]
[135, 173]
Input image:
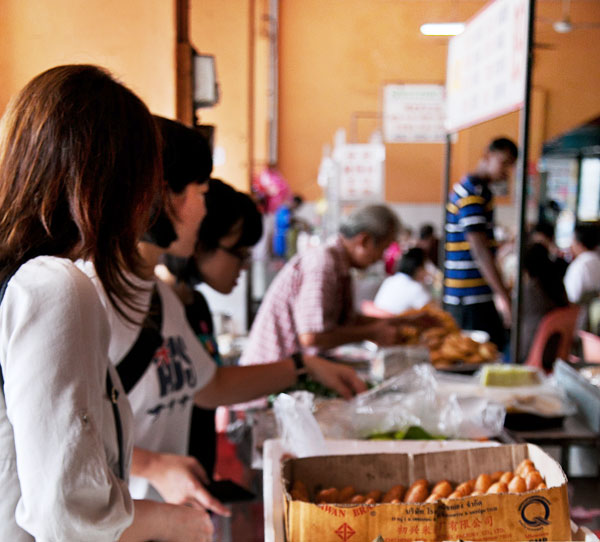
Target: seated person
[543, 233]
[309, 306]
[429, 243]
[405, 290]
[582, 279]
[543, 291]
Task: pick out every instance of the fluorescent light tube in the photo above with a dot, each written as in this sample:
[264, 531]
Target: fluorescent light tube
[442, 29]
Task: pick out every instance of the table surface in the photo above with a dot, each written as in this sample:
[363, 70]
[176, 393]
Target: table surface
[574, 430]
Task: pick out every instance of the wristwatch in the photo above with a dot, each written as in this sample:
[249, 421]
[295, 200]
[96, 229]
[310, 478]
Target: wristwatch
[301, 370]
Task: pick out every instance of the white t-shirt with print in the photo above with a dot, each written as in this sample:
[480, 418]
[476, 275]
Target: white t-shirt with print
[163, 398]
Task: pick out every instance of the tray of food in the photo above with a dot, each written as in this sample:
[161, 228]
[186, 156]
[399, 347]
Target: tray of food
[450, 348]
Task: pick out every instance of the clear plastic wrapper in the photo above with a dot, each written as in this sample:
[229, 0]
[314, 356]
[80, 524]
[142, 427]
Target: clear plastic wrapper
[544, 398]
[392, 360]
[410, 399]
[414, 398]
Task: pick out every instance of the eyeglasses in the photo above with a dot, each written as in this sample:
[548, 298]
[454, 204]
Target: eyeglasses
[242, 254]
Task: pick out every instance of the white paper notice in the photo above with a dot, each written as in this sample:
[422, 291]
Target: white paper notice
[361, 169]
[413, 114]
[486, 65]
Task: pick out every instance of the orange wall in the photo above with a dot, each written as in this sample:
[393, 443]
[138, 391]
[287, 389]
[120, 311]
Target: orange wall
[337, 54]
[235, 33]
[335, 57]
[570, 69]
[134, 39]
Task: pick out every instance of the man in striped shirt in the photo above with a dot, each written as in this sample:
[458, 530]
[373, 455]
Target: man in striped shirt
[473, 289]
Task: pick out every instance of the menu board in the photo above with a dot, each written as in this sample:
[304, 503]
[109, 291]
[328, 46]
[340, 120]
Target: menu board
[413, 113]
[487, 65]
[361, 168]
[561, 180]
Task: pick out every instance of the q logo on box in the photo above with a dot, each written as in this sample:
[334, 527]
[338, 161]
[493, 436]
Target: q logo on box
[535, 512]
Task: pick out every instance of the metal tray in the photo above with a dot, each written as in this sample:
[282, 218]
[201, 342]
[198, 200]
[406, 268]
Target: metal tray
[580, 390]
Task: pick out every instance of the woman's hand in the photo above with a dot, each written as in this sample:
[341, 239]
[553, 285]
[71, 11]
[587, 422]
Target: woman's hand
[339, 378]
[180, 480]
[190, 525]
[164, 522]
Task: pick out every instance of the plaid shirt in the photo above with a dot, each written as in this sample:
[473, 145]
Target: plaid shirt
[311, 294]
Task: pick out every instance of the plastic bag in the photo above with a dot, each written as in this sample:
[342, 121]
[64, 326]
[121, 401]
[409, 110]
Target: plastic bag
[392, 360]
[297, 425]
[272, 188]
[412, 398]
[545, 398]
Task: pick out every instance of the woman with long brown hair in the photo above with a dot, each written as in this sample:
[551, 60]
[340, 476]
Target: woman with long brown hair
[79, 167]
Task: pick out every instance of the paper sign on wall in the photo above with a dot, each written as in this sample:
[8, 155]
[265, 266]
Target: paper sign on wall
[487, 65]
[361, 169]
[413, 113]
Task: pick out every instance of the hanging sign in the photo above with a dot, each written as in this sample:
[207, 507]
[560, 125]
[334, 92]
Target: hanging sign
[487, 65]
[361, 169]
[413, 114]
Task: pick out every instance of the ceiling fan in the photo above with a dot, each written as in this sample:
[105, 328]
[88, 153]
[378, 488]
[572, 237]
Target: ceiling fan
[565, 25]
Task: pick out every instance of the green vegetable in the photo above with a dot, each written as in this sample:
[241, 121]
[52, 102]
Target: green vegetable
[314, 387]
[409, 433]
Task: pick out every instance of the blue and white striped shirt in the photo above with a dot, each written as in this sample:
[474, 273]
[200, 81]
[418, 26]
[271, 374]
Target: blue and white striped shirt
[470, 208]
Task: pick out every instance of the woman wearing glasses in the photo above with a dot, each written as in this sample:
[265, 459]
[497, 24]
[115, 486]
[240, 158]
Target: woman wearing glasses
[230, 228]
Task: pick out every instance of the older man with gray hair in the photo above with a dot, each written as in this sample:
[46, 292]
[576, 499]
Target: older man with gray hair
[309, 306]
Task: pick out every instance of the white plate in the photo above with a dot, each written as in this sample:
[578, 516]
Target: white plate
[478, 335]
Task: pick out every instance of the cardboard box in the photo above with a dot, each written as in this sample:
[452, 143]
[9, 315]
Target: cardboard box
[276, 451]
[535, 515]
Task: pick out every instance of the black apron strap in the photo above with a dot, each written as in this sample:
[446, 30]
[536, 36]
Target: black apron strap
[136, 361]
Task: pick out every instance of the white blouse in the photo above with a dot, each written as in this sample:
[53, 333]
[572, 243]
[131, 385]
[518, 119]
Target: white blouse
[58, 445]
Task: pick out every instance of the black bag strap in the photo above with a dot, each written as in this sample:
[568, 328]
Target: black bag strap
[113, 395]
[111, 391]
[3, 287]
[136, 361]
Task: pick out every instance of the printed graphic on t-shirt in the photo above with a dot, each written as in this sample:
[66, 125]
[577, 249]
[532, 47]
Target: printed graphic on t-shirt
[175, 372]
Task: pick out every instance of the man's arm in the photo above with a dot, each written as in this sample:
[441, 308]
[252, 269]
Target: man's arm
[377, 330]
[478, 243]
